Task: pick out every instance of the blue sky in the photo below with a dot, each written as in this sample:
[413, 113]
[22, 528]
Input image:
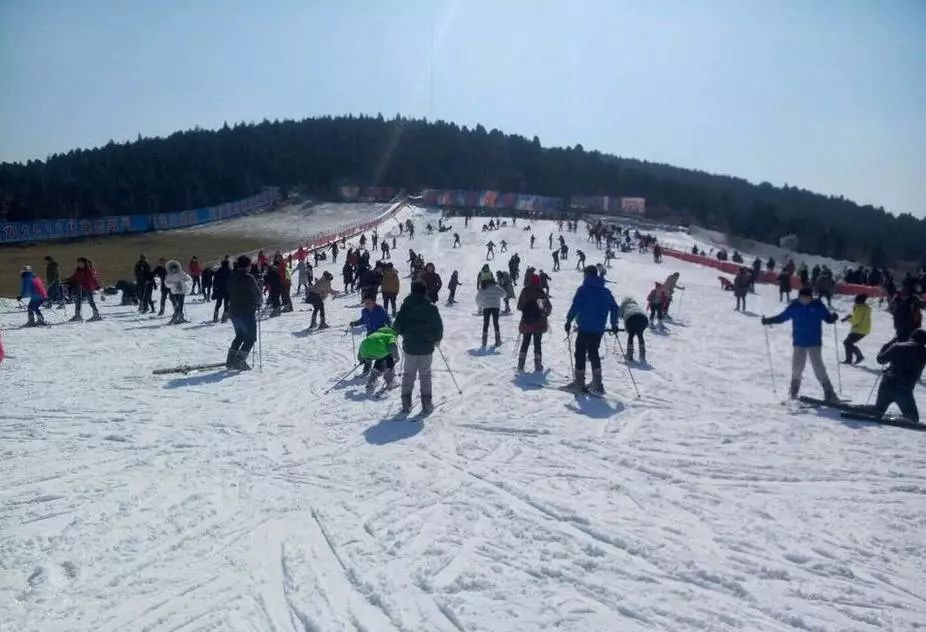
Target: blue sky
[829, 96]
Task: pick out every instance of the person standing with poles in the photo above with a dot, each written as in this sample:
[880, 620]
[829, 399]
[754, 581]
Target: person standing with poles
[374, 318]
[535, 310]
[85, 283]
[860, 319]
[807, 315]
[591, 306]
[419, 323]
[244, 299]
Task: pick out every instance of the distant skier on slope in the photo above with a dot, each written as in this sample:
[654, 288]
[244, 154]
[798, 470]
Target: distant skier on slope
[84, 283]
[180, 284]
[807, 315]
[316, 298]
[490, 250]
[244, 299]
[452, 286]
[390, 286]
[33, 290]
[419, 323]
[591, 306]
[488, 299]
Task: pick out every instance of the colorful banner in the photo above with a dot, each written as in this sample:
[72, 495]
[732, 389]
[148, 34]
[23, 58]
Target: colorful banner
[490, 199]
[47, 230]
[351, 193]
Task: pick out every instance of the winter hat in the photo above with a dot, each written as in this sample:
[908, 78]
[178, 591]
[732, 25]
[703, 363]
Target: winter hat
[243, 262]
[805, 291]
[418, 287]
[919, 337]
[27, 268]
[591, 271]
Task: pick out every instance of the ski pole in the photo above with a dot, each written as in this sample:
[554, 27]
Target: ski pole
[629, 371]
[771, 370]
[569, 342]
[873, 386]
[344, 377]
[517, 342]
[353, 346]
[836, 353]
[452, 376]
[681, 301]
[260, 347]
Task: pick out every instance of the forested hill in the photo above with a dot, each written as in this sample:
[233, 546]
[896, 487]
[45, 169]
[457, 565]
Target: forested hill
[202, 167]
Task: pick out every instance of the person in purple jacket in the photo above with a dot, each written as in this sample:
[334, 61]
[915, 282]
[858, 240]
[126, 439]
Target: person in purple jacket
[807, 315]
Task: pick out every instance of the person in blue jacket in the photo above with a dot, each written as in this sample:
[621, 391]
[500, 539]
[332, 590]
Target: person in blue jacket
[807, 316]
[590, 308]
[374, 318]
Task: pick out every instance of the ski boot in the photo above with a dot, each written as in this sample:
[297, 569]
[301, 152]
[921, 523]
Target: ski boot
[829, 394]
[366, 369]
[596, 387]
[522, 358]
[371, 381]
[538, 363]
[389, 378]
[40, 319]
[427, 406]
[323, 325]
[498, 340]
[230, 358]
[240, 361]
[406, 403]
[629, 355]
[795, 388]
[577, 385]
[76, 318]
[96, 316]
[30, 322]
[312, 324]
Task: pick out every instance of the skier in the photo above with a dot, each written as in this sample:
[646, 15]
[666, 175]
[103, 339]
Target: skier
[180, 284]
[488, 299]
[208, 277]
[32, 289]
[380, 350]
[334, 252]
[504, 281]
[514, 268]
[657, 253]
[273, 282]
[432, 281]
[244, 299]
[220, 289]
[490, 250]
[861, 327]
[532, 241]
[374, 239]
[419, 324]
[906, 307]
[535, 311]
[384, 246]
[551, 241]
[656, 300]
[373, 317]
[591, 306]
[144, 280]
[84, 284]
[262, 261]
[580, 259]
[316, 298]
[196, 272]
[555, 260]
[545, 282]
[160, 273]
[369, 280]
[807, 315]
[301, 277]
[456, 241]
[347, 272]
[390, 286]
[635, 324]
[53, 278]
[504, 245]
[741, 288]
[485, 274]
[452, 285]
[784, 286]
[905, 362]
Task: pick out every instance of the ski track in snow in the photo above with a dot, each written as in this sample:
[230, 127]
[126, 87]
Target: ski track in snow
[254, 502]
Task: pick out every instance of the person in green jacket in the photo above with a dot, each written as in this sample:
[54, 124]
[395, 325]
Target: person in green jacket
[419, 324]
[380, 349]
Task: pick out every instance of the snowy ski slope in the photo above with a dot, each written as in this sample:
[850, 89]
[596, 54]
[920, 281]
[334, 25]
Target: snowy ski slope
[253, 502]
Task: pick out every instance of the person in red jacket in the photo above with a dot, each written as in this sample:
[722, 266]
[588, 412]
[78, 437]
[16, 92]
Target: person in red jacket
[84, 283]
[196, 272]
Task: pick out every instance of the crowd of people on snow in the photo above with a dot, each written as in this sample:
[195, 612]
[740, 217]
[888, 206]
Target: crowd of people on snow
[246, 288]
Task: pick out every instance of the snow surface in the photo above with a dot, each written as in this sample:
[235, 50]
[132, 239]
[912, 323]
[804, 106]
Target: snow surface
[254, 502]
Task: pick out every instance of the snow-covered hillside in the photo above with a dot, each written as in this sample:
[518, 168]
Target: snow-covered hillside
[255, 502]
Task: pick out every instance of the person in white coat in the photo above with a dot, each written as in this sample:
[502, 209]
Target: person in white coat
[488, 299]
[179, 283]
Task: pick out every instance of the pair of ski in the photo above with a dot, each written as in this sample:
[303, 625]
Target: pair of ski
[191, 368]
[858, 412]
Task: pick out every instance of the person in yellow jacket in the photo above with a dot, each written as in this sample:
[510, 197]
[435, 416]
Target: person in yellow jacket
[861, 327]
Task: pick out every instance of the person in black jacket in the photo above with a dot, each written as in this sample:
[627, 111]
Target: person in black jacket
[244, 298]
[207, 280]
[220, 289]
[144, 283]
[160, 272]
[905, 362]
[906, 307]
